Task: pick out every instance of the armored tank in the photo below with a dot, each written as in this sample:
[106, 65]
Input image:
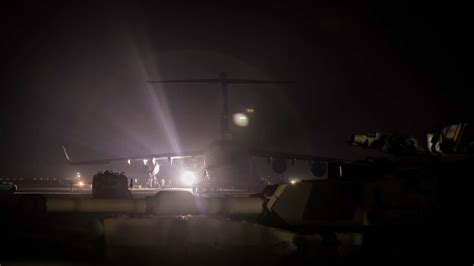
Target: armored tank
[375, 210]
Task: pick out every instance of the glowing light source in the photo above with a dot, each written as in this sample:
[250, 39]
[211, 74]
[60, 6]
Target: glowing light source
[145, 161]
[188, 178]
[81, 184]
[294, 181]
[250, 110]
[240, 119]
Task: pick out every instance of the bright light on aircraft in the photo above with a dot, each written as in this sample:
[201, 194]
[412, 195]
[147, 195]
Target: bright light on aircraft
[250, 110]
[241, 120]
[188, 178]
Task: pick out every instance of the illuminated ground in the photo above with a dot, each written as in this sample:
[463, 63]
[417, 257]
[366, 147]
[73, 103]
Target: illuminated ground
[136, 192]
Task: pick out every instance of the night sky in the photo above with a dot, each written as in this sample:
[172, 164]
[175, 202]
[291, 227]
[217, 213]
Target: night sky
[74, 74]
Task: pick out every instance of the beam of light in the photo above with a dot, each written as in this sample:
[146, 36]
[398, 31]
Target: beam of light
[162, 111]
[143, 58]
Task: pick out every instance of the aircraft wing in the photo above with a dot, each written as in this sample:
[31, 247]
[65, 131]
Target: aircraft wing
[290, 156]
[159, 156]
[318, 165]
[185, 81]
[254, 81]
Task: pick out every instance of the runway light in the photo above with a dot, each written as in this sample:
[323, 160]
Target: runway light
[188, 178]
[240, 119]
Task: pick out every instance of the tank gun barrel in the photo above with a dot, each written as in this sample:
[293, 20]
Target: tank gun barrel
[162, 203]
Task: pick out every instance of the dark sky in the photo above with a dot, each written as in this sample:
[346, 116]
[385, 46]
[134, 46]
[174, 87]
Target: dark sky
[75, 73]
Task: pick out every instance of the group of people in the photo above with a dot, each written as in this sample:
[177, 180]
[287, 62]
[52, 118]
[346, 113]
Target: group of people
[153, 181]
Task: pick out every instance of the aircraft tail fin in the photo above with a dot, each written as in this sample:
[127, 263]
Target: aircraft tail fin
[66, 155]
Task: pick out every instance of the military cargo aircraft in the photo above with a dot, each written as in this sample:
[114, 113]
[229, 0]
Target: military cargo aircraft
[225, 163]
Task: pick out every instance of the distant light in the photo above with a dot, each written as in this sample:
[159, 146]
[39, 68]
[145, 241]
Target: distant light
[241, 120]
[294, 181]
[81, 184]
[188, 178]
[129, 162]
[250, 110]
[145, 161]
